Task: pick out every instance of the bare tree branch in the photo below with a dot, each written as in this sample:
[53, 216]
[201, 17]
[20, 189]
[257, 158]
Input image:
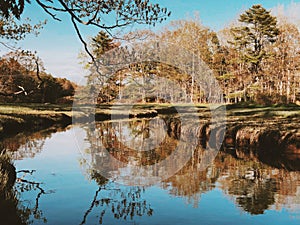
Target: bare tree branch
[81, 39]
[45, 8]
[26, 171]
[7, 46]
[50, 7]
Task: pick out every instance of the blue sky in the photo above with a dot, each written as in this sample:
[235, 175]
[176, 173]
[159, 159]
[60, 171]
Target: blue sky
[59, 46]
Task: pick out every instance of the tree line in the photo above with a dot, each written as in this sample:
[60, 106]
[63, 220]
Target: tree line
[23, 79]
[255, 59]
[18, 83]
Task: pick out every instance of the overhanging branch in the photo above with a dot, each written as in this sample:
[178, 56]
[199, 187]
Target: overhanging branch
[45, 8]
[82, 40]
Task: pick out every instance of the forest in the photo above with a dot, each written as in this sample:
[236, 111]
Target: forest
[23, 79]
[255, 59]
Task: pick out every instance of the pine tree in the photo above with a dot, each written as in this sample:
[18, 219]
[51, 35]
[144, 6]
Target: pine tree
[102, 43]
[259, 31]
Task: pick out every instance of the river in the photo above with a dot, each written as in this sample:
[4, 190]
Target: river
[63, 178]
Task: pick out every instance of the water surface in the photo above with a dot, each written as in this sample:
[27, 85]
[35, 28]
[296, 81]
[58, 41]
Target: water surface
[58, 184]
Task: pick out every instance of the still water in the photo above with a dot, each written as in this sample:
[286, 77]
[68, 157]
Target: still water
[58, 184]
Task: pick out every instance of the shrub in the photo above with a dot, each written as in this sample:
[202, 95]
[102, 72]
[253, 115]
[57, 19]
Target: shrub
[266, 99]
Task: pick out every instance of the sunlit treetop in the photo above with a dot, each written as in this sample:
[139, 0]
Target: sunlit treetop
[258, 30]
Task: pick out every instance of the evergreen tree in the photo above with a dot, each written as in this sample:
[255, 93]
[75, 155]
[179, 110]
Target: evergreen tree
[102, 43]
[259, 31]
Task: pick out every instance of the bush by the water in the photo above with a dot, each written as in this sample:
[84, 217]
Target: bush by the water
[270, 99]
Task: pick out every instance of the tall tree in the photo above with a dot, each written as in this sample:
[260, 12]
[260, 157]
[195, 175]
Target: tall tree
[258, 30]
[102, 43]
[251, 41]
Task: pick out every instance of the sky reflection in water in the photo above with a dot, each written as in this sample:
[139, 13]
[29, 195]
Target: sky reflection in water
[226, 193]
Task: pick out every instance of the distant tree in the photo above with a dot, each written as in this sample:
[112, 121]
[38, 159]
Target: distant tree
[251, 42]
[23, 79]
[99, 45]
[284, 65]
[200, 45]
[102, 43]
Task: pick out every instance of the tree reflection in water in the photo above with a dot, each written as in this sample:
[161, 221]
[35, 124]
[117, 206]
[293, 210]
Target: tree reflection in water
[123, 203]
[13, 210]
[13, 184]
[254, 186]
[257, 187]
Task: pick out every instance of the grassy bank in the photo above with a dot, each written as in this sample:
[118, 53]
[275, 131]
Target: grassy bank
[143, 110]
[17, 117]
[31, 117]
[252, 132]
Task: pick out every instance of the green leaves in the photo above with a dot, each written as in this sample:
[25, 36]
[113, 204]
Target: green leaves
[101, 43]
[258, 30]
[260, 25]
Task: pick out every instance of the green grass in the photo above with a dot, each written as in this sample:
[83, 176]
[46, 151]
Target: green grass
[9, 111]
[34, 109]
[25, 107]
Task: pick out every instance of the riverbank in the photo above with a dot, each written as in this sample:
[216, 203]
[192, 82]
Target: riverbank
[20, 118]
[267, 134]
